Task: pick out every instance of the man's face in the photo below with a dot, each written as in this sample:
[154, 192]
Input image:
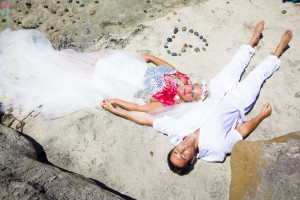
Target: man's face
[183, 153]
[190, 92]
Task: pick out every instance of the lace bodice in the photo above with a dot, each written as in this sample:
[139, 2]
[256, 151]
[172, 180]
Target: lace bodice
[154, 81]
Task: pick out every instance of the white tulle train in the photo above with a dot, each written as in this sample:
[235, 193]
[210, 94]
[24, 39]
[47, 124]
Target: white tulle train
[34, 74]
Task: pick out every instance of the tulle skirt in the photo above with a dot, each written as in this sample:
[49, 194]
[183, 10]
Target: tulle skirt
[33, 75]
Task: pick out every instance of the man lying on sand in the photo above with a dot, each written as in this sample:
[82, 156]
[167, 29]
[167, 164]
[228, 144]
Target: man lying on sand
[208, 130]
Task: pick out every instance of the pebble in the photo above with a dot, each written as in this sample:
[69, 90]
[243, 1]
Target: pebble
[196, 33]
[168, 51]
[174, 54]
[179, 54]
[169, 39]
[203, 49]
[159, 10]
[204, 40]
[96, 1]
[145, 11]
[58, 2]
[151, 15]
[173, 36]
[45, 6]
[52, 27]
[197, 49]
[73, 22]
[206, 44]
[175, 30]
[119, 23]
[283, 12]
[183, 28]
[81, 5]
[88, 30]
[70, 1]
[185, 45]
[148, 1]
[191, 30]
[66, 10]
[174, 13]
[183, 50]
[53, 11]
[77, 2]
[201, 37]
[191, 46]
[28, 5]
[166, 46]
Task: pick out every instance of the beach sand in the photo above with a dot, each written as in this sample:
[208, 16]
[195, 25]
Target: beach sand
[131, 158]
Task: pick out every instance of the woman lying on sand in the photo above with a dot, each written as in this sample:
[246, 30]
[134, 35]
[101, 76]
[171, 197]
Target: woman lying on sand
[33, 73]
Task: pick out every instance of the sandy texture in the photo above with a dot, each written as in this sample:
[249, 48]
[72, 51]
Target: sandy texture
[132, 159]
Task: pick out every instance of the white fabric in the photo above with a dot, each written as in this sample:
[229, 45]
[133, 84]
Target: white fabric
[34, 74]
[218, 116]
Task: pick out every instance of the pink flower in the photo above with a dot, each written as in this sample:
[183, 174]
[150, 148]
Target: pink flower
[4, 4]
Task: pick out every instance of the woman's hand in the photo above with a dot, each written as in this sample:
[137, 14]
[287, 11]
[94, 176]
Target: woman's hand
[106, 104]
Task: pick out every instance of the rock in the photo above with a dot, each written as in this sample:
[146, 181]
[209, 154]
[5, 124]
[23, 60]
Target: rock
[53, 11]
[183, 28]
[174, 54]
[175, 30]
[23, 176]
[66, 10]
[173, 36]
[169, 39]
[168, 51]
[166, 46]
[81, 5]
[191, 30]
[183, 50]
[283, 11]
[206, 44]
[185, 45]
[174, 13]
[204, 40]
[267, 169]
[196, 33]
[197, 49]
[191, 46]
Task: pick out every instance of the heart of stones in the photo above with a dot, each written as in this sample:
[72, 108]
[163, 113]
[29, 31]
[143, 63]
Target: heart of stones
[185, 46]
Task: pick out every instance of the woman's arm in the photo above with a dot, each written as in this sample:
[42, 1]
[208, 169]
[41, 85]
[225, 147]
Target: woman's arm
[246, 128]
[157, 61]
[134, 107]
[135, 116]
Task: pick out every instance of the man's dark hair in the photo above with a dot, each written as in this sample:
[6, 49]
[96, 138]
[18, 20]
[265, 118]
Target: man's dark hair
[180, 170]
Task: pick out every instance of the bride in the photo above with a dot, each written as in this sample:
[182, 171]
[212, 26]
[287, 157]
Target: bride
[34, 74]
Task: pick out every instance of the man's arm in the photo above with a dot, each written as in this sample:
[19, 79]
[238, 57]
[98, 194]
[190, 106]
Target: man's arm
[135, 116]
[246, 128]
[157, 61]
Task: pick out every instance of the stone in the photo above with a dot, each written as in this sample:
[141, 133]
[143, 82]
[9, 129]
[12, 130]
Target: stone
[183, 28]
[197, 49]
[169, 39]
[53, 11]
[183, 50]
[174, 13]
[175, 30]
[203, 48]
[204, 40]
[201, 37]
[196, 33]
[185, 45]
[25, 173]
[66, 10]
[179, 54]
[166, 46]
[191, 46]
[173, 36]
[174, 54]
[267, 169]
[81, 5]
[191, 30]
[283, 11]
[168, 51]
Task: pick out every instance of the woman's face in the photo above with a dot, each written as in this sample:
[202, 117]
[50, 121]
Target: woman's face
[190, 93]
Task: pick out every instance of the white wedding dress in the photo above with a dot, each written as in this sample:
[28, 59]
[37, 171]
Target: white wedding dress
[34, 74]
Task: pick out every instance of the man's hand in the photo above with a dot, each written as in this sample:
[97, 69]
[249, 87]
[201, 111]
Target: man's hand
[266, 110]
[107, 105]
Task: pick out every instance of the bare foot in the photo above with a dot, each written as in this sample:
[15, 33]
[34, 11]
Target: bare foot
[266, 110]
[286, 38]
[256, 34]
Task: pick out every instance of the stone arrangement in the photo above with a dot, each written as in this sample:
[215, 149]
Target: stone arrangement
[185, 46]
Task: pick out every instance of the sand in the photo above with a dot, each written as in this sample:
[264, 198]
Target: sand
[131, 158]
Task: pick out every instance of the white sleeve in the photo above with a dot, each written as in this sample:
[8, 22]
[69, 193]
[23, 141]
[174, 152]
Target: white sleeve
[176, 129]
[232, 137]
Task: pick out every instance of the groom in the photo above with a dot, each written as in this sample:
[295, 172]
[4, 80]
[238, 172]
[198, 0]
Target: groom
[208, 130]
